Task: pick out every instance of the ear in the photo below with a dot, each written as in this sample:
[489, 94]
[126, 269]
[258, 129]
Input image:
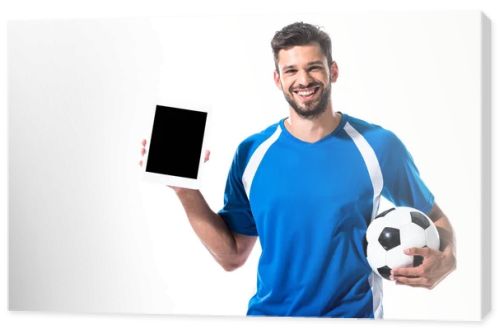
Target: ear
[334, 72]
[277, 80]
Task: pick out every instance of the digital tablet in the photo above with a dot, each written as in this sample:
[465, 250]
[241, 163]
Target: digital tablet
[174, 152]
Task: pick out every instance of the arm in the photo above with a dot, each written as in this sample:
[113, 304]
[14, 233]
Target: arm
[229, 249]
[436, 264]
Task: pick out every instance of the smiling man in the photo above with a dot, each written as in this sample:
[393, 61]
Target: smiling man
[308, 98]
[307, 187]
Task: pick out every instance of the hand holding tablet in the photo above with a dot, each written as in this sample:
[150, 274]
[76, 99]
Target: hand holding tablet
[174, 153]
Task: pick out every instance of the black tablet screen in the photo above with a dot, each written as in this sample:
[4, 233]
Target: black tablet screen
[176, 142]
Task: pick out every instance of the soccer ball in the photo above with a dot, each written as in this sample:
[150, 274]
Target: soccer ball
[395, 230]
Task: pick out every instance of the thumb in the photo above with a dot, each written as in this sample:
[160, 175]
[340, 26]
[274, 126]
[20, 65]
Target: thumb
[207, 156]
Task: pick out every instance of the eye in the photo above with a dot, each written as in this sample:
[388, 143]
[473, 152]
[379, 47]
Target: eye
[290, 71]
[315, 68]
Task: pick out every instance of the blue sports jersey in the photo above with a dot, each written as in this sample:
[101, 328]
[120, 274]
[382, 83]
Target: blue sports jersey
[310, 205]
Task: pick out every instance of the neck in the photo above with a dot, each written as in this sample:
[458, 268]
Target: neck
[312, 130]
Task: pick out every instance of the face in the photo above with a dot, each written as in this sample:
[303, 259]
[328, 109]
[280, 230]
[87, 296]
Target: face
[305, 79]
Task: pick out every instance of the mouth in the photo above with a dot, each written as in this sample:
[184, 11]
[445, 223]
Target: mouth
[306, 94]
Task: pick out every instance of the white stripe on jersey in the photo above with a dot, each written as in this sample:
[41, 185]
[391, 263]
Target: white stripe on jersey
[377, 291]
[377, 180]
[255, 160]
[371, 163]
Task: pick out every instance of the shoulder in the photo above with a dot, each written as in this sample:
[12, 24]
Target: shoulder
[249, 145]
[379, 138]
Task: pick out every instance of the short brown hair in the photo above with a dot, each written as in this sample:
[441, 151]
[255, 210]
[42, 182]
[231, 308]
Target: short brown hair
[300, 33]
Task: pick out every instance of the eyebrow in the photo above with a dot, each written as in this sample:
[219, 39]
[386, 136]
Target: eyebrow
[317, 62]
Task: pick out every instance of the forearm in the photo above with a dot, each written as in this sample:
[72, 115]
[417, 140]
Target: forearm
[446, 236]
[210, 228]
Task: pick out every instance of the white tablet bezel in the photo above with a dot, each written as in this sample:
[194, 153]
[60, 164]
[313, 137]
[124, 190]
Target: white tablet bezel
[172, 180]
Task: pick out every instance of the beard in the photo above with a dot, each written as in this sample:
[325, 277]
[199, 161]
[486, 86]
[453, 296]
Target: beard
[312, 109]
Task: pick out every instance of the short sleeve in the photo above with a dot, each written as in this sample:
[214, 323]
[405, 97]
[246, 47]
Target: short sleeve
[236, 211]
[403, 185]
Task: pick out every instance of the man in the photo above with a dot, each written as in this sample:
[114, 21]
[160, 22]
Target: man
[308, 186]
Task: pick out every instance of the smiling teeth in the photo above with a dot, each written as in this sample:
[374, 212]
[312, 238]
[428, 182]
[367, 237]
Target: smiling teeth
[305, 92]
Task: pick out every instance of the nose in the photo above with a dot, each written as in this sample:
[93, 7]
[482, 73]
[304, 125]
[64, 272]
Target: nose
[304, 78]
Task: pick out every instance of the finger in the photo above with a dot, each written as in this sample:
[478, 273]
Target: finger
[406, 272]
[144, 142]
[425, 251]
[411, 284]
[140, 163]
[143, 151]
[207, 155]
[413, 281]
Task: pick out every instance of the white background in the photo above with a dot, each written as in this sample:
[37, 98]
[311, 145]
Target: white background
[18, 321]
[88, 236]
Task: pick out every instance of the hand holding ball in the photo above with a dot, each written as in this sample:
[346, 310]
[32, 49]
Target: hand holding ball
[395, 230]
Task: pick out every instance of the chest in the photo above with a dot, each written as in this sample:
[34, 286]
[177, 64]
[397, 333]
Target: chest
[321, 186]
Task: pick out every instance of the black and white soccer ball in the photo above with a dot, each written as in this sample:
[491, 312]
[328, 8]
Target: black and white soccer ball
[395, 230]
